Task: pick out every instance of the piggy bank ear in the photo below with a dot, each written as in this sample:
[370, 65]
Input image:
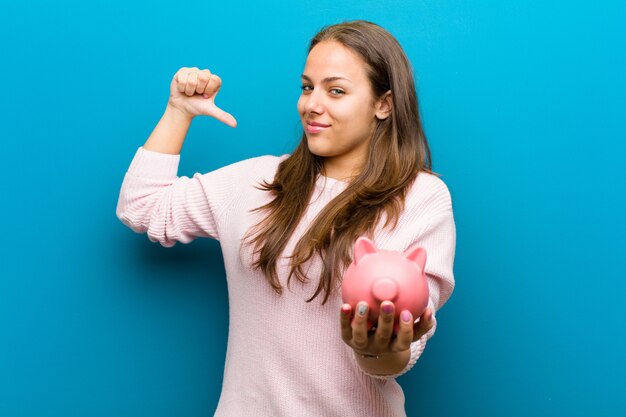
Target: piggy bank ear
[417, 255]
[363, 246]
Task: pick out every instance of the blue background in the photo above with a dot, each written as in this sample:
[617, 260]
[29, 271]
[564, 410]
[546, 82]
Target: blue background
[524, 106]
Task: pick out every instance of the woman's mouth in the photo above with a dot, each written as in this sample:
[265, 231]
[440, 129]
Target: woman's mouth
[315, 127]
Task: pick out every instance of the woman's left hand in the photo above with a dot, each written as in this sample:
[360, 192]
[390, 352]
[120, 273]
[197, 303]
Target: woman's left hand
[382, 340]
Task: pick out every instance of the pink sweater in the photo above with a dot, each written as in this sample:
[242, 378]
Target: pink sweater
[285, 357]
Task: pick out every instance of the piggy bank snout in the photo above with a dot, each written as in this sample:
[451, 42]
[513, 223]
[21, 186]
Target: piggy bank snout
[384, 289]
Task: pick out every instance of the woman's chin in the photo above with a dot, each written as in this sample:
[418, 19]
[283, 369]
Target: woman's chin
[318, 150]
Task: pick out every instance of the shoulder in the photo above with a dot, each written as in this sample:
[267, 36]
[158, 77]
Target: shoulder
[429, 194]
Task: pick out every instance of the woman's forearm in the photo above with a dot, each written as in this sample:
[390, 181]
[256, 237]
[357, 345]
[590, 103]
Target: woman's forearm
[169, 134]
[388, 364]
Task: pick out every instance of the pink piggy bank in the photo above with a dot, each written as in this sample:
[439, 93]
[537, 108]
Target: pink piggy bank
[380, 275]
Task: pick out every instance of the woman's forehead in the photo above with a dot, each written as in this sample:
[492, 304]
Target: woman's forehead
[331, 59]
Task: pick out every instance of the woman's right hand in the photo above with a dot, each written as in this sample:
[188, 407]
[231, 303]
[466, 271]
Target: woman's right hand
[193, 91]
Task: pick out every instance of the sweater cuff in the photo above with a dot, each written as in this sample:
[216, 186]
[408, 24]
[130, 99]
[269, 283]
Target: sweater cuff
[154, 165]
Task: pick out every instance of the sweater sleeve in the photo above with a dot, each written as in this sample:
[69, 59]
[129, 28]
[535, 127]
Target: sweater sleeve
[172, 209]
[439, 240]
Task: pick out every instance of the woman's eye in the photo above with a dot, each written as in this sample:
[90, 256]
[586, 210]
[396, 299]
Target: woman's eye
[306, 88]
[336, 92]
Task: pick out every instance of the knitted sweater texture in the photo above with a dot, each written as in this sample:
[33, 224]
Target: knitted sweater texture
[285, 357]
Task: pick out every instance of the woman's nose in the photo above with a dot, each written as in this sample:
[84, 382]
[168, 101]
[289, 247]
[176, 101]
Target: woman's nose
[314, 103]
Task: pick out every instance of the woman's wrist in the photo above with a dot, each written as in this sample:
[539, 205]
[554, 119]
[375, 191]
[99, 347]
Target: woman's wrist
[169, 134]
[383, 363]
[177, 114]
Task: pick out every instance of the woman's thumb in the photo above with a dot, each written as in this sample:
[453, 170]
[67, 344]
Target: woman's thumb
[221, 115]
[224, 117]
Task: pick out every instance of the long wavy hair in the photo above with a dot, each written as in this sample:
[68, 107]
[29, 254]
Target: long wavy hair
[398, 151]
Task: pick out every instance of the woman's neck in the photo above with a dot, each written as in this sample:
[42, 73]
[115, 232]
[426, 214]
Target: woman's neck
[340, 170]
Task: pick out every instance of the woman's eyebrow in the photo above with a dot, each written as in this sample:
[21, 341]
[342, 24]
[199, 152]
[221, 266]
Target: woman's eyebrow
[326, 80]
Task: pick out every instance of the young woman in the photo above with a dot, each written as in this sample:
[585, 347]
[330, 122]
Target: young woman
[287, 226]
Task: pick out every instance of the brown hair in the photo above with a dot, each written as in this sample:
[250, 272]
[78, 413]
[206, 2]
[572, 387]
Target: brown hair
[398, 151]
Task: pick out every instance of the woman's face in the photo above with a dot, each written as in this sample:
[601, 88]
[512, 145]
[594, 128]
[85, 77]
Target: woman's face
[337, 108]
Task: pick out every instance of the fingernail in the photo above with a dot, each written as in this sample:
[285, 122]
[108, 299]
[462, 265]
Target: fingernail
[345, 309]
[362, 309]
[406, 316]
[387, 308]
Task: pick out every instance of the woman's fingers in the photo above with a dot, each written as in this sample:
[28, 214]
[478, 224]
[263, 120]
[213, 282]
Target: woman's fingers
[190, 83]
[212, 86]
[195, 92]
[354, 331]
[384, 328]
[359, 326]
[181, 79]
[426, 322]
[204, 77]
[344, 319]
[404, 337]
[210, 91]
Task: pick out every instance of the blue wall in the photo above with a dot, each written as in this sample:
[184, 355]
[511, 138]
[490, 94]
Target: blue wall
[524, 105]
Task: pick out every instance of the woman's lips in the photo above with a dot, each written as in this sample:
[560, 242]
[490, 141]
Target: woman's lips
[314, 127]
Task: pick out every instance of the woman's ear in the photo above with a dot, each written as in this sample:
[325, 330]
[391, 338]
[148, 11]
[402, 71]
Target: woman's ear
[384, 106]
